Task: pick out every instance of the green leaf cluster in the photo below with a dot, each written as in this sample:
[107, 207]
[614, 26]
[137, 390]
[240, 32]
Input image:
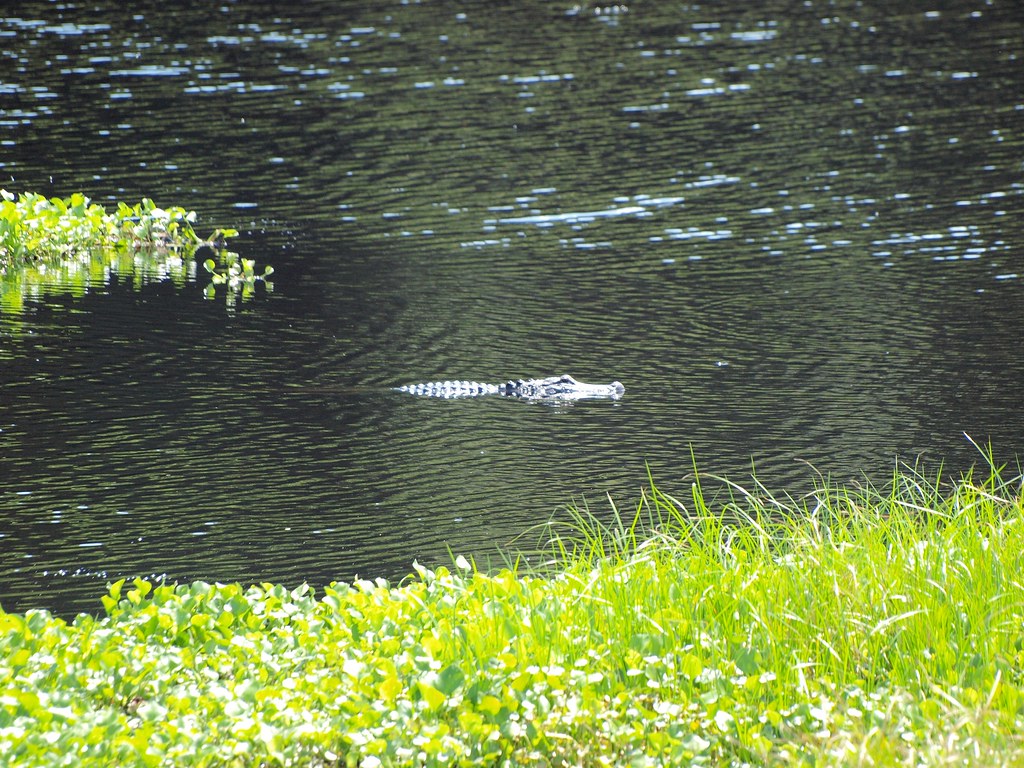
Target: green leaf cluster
[238, 274]
[73, 243]
[35, 228]
[856, 628]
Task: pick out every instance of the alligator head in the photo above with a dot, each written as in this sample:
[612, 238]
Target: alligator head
[563, 387]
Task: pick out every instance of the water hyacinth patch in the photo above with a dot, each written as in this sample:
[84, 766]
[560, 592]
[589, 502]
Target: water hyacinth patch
[73, 242]
[859, 627]
[36, 228]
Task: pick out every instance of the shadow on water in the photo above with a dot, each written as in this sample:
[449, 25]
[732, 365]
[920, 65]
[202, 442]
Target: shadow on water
[793, 234]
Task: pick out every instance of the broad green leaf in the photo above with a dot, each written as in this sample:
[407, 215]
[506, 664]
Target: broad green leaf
[433, 697]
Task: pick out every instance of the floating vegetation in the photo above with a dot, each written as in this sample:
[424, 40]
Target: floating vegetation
[73, 243]
[849, 627]
[234, 272]
[35, 229]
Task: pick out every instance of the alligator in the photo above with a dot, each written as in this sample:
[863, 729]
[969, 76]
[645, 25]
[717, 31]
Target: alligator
[563, 387]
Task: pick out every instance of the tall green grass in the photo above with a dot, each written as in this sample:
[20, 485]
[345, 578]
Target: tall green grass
[890, 620]
[724, 626]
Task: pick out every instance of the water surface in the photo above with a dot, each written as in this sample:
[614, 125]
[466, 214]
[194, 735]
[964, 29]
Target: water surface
[794, 234]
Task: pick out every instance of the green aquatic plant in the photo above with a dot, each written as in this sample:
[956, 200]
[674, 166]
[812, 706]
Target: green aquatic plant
[735, 627]
[238, 274]
[35, 228]
[73, 242]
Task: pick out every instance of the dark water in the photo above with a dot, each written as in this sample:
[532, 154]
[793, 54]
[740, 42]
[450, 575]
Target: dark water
[793, 232]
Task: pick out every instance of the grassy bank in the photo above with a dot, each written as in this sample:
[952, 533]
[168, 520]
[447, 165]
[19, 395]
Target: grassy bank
[849, 627]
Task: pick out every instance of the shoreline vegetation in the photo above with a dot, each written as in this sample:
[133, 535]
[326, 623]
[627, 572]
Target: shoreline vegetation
[728, 626]
[73, 242]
